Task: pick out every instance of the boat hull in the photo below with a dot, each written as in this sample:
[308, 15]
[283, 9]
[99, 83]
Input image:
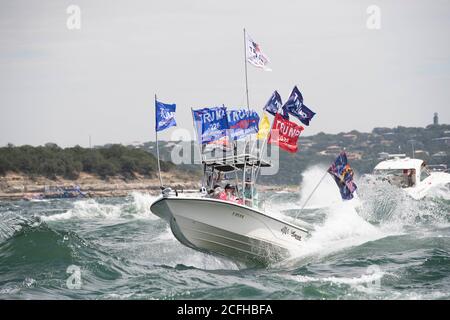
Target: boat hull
[424, 188]
[228, 229]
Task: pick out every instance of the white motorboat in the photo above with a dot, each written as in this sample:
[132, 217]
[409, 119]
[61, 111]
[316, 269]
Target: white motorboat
[238, 231]
[412, 175]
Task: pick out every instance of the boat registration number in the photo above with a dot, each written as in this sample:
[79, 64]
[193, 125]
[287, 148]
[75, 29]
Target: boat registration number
[239, 215]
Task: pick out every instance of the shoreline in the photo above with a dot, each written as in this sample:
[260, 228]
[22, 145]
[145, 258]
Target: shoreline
[14, 186]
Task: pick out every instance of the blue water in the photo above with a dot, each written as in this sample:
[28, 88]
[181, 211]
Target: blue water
[387, 246]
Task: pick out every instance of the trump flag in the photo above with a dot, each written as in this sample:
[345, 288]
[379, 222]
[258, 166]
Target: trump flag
[165, 115]
[285, 134]
[273, 105]
[254, 54]
[294, 105]
[242, 123]
[211, 123]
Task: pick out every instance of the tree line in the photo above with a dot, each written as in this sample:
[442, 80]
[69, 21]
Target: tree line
[52, 161]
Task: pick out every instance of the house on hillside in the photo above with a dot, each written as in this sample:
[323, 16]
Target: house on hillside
[331, 150]
[445, 140]
[421, 153]
[350, 136]
[386, 142]
[354, 155]
[439, 154]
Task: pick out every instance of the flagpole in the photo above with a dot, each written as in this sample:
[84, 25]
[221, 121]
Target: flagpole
[157, 148]
[200, 147]
[245, 64]
[265, 142]
[310, 195]
[248, 108]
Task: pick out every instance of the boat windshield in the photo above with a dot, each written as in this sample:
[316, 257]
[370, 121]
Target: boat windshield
[424, 173]
[403, 178]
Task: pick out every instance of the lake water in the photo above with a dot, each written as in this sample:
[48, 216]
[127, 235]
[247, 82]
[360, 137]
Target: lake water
[383, 246]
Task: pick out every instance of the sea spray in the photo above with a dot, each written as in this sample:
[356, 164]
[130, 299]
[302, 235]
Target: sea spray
[340, 225]
[137, 205]
[392, 208]
[326, 193]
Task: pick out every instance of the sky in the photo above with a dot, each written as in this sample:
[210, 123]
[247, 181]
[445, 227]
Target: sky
[61, 85]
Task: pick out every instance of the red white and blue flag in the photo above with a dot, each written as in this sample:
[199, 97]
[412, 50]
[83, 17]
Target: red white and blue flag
[342, 173]
[254, 54]
[242, 122]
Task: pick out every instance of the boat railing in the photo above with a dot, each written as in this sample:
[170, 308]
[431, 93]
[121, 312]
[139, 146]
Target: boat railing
[169, 192]
[235, 162]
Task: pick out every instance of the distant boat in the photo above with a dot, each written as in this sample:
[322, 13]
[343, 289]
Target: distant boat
[56, 192]
[412, 175]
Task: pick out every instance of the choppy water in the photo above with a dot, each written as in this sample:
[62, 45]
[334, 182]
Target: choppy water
[384, 246]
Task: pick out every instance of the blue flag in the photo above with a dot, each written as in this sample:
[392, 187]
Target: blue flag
[242, 122]
[284, 113]
[343, 175]
[211, 123]
[165, 115]
[294, 105]
[273, 105]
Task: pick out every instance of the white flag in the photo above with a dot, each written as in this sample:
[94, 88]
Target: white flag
[255, 56]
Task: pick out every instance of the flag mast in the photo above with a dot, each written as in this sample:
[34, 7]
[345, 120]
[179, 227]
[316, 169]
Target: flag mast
[248, 108]
[310, 195]
[157, 147]
[245, 64]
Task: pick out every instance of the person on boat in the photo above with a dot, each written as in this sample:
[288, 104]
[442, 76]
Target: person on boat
[216, 191]
[411, 177]
[405, 182]
[229, 194]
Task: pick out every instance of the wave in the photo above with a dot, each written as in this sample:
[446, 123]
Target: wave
[376, 212]
[11, 223]
[137, 205]
[39, 256]
[390, 207]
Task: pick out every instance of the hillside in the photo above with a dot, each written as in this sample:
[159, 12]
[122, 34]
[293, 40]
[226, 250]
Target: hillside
[138, 161]
[364, 150]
